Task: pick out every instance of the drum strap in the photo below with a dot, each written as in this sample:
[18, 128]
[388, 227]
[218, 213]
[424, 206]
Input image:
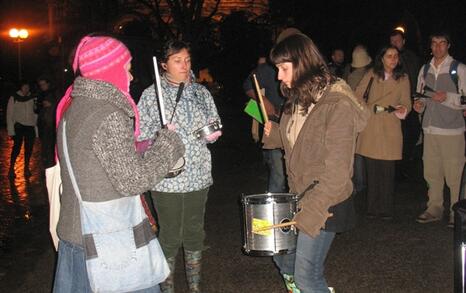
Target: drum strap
[309, 187]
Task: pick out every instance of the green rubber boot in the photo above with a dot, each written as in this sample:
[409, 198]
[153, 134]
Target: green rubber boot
[192, 261]
[290, 284]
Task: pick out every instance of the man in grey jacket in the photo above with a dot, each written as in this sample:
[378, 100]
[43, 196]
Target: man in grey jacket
[443, 126]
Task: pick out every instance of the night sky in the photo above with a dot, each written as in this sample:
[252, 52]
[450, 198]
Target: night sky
[330, 23]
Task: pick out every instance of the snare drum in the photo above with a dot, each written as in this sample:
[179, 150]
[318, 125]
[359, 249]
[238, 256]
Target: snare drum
[268, 209]
[210, 128]
[177, 169]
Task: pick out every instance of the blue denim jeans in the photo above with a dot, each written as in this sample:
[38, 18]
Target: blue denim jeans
[285, 263]
[276, 166]
[71, 273]
[310, 258]
[307, 264]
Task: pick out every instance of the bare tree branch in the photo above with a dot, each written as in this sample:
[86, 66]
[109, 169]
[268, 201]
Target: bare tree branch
[215, 10]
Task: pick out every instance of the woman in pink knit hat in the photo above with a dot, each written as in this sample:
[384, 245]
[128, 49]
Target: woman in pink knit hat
[97, 125]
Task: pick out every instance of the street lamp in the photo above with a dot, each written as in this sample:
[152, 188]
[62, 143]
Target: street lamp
[18, 36]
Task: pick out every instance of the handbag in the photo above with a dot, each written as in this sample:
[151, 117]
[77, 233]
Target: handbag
[122, 252]
[54, 189]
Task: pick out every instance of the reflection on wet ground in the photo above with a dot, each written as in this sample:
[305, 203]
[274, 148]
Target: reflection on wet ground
[23, 201]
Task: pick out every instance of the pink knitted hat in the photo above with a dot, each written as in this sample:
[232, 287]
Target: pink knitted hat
[102, 58]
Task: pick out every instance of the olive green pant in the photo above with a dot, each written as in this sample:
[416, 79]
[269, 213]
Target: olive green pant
[181, 220]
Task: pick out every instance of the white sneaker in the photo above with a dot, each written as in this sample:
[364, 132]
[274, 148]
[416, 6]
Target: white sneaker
[331, 290]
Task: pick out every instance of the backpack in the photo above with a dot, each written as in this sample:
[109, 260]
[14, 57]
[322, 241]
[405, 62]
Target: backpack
[453, 72]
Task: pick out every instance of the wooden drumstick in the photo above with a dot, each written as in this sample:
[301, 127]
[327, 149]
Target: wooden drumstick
[275, 226]
[261, 100]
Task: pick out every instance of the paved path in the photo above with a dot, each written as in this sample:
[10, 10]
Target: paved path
[397, 256]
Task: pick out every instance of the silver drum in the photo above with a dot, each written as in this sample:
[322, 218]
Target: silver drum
[266, 210]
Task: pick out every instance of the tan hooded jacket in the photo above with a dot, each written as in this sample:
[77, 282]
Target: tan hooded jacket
[324, 151]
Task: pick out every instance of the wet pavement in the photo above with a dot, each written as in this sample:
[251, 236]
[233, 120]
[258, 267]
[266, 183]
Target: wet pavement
[377, 256]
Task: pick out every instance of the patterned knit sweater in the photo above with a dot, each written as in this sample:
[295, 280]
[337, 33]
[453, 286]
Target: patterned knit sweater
[196, 109]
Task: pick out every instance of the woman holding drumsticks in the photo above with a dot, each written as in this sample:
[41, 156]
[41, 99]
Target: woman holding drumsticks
[318, 129]
[180, 201]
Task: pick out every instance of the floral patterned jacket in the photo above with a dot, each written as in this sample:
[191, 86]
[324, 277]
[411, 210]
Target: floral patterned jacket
[195, 109]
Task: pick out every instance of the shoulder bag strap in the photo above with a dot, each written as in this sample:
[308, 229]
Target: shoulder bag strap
[68, 163]
[368, 90]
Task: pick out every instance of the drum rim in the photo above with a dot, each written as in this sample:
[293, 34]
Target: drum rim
[255, 252]
[175, 172]
[203, 130]
[267, 198]
[179, 168]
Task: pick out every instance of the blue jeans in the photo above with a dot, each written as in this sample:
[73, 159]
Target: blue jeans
[276, 166]
[307, 264]
[71, 273]
[285, 263]
[310, 258]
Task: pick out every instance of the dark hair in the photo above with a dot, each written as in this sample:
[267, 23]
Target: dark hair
[21, 83]
[337, 49]
[397, 33]
[44, 78]
[379, 68]
[172, 47]
[310, 72]
[444, 35]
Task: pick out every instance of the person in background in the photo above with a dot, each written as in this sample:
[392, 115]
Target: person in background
[360, 65]
[47, 100]
[337, 65]
[273, 101]
[381, 141]
[180, 201]
[321, 120]
[22, 126]
[443, 126]
[410, 126]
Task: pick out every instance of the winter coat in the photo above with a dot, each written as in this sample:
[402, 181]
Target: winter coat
[20, 110]
[102, 152]
[324, 151]
[382, 138]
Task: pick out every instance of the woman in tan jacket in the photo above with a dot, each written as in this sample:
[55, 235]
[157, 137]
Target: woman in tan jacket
[386, 89]
[318, 129]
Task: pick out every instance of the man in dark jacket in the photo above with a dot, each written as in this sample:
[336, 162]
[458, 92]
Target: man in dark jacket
[46, 107]
[337, 66]
[411, 126]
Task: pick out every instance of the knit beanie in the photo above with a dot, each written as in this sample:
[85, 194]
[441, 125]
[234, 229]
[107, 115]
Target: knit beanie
[360, 57]
[102, 58]
[288, 33]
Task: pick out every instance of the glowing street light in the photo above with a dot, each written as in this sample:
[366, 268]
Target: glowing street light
[18, 36]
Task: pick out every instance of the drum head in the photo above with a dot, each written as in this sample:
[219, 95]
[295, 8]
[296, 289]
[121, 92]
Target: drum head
[269, 198]
[179, 164]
